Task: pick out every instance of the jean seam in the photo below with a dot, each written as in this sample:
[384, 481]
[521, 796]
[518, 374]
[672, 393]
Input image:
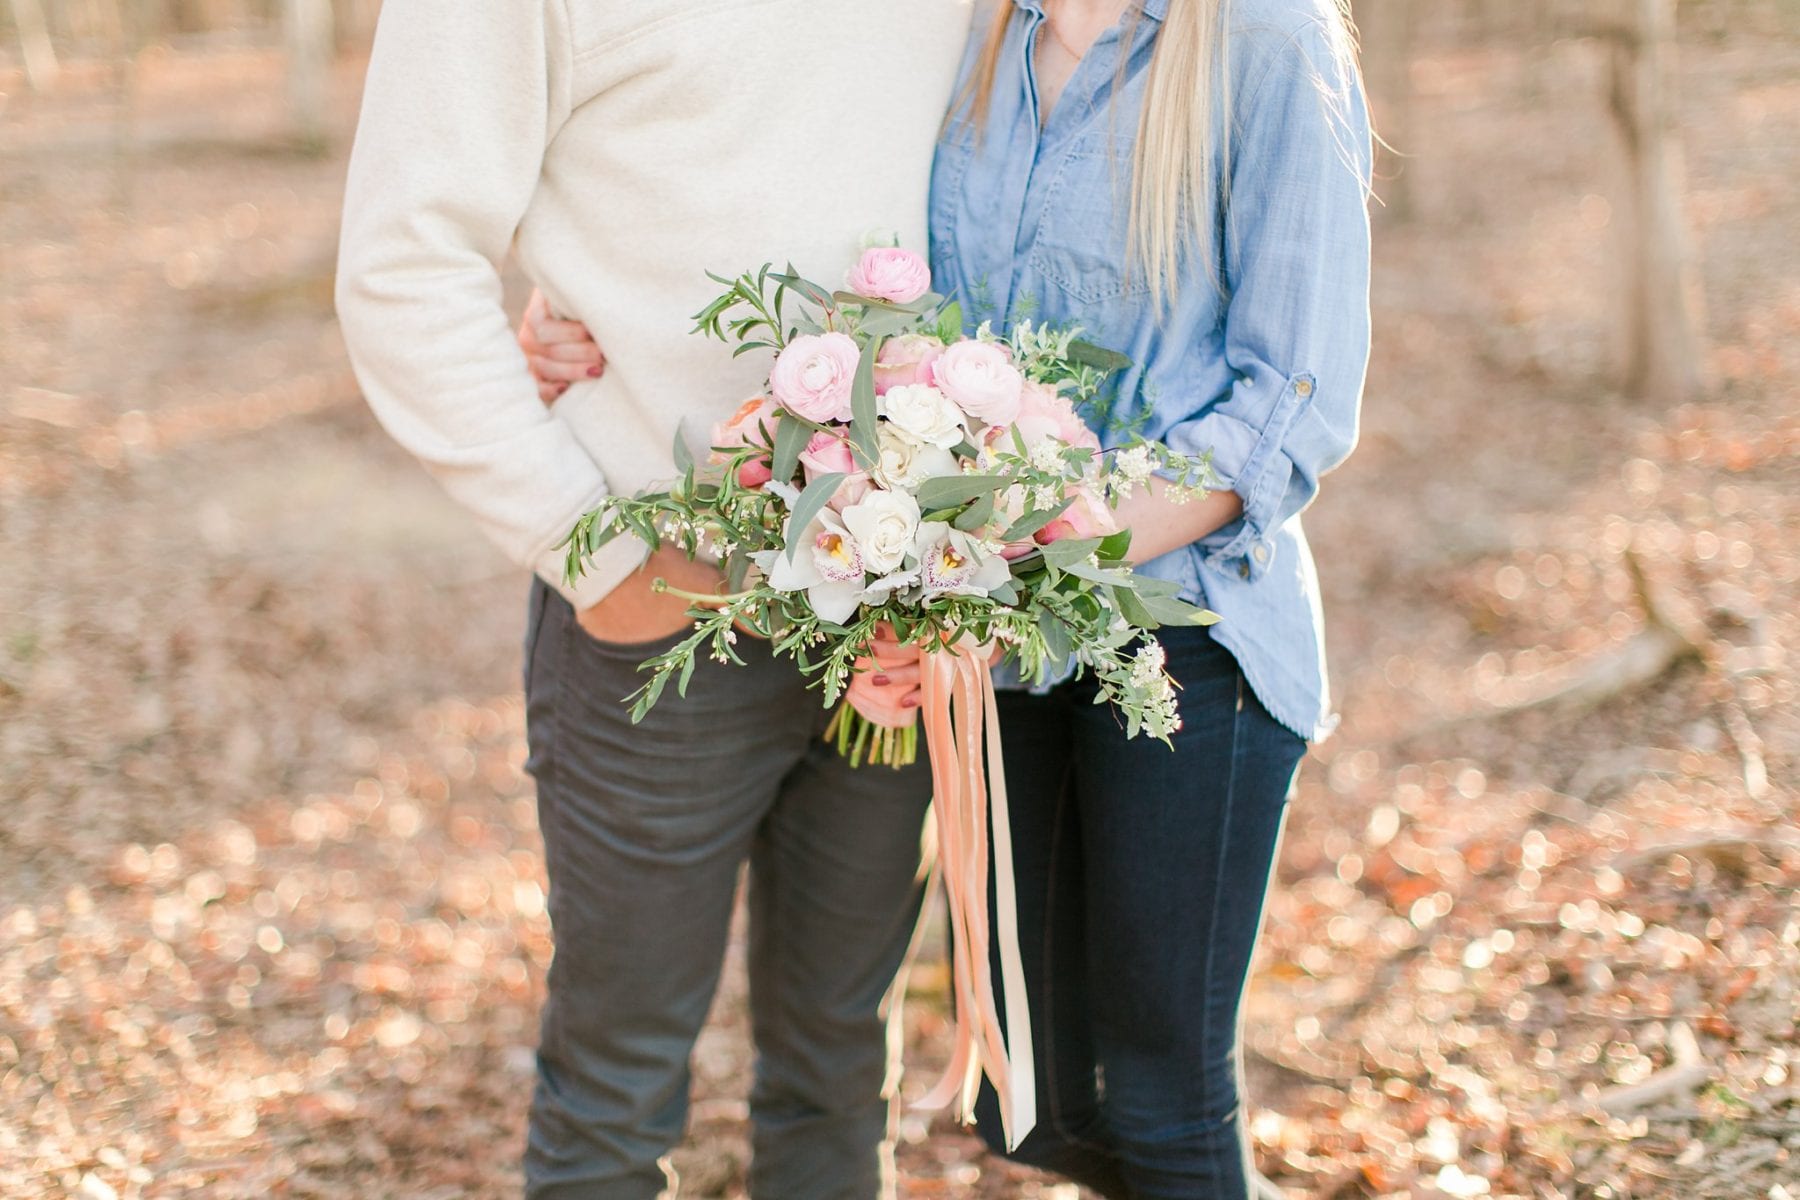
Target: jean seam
[1057, 1118]
[1207, 1027]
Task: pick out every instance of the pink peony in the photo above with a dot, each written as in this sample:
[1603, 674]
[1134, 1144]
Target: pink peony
[1045, 412]
[814, 374]
[1087, 517]
[982, 381]
[905, 361]
[753, 424]
[888, 273]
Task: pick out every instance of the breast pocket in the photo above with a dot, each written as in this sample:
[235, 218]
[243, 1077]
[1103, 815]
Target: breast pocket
[1081, 240]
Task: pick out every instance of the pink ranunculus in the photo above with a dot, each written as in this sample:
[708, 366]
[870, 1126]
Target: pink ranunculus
[905, 361]
[889, 273]
[813, 376]
[1087, 517]
[981, 380]
[1045, 412]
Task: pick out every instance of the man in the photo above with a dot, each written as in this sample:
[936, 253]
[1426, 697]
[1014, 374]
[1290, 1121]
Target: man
[628, 148]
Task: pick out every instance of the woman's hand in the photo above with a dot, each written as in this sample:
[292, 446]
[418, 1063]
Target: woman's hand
[560, 352]
[885, 688]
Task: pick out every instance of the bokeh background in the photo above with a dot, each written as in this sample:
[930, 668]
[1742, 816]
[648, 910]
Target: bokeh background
[271, 901]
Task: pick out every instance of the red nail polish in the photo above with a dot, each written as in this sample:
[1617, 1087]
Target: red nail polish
[910, 702]
[880, 680]
[594, 371]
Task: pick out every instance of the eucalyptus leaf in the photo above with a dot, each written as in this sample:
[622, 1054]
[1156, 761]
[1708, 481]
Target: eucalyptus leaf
[684, 458]
[1134, 609]
[1061, 553]
[948, 491]
[1057, 644]
[814, 498]
[1114, 546]
[977, 514]
[1089, 355]
[1031, 522]
[791, 437]
[862, 406]
[1179, 612]
[950, 322]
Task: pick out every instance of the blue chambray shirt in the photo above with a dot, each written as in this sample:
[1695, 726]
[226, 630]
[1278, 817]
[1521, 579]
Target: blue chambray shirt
[1266, 371]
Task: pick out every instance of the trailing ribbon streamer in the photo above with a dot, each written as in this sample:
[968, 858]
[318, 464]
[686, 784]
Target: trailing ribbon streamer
[957, 702]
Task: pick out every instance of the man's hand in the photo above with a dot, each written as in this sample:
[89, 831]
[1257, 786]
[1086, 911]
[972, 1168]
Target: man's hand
[560, 352]
[633, 613]
[885, 688]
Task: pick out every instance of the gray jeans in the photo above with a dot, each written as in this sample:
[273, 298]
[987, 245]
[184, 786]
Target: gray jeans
[645, 827]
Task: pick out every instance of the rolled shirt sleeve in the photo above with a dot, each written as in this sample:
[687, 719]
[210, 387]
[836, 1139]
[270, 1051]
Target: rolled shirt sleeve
[460, 103]
[1296, 265]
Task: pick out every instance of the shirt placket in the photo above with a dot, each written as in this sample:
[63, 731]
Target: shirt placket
[1048, 139]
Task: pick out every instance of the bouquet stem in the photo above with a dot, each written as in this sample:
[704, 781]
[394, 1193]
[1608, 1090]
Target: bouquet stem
[861, 740]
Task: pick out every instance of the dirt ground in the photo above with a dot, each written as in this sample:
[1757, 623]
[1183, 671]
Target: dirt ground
[271, 903]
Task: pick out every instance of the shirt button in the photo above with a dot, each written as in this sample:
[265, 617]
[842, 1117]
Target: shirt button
[1303, 388]
[1261, 552]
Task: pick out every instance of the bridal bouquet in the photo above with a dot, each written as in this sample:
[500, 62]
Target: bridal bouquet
[898, 472]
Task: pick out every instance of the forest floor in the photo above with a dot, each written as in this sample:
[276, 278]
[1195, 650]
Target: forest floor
[271, 899]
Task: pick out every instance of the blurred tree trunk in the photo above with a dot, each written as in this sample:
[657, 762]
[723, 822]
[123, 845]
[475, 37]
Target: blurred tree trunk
[306, 32]
[34, 43]
[1388, 29]
[1664, 360]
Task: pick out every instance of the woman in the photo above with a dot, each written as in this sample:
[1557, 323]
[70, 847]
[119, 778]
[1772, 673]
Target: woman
[1187, 179]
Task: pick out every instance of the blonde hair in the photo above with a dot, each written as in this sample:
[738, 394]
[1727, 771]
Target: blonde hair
[1175, 186]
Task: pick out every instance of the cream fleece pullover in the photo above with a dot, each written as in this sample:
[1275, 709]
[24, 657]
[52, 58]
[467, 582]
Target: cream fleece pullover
[629, 147]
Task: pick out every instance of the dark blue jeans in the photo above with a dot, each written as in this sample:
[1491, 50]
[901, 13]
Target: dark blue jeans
[1141, 881]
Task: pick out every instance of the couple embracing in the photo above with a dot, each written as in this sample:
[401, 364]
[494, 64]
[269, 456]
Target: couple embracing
[1185, 179]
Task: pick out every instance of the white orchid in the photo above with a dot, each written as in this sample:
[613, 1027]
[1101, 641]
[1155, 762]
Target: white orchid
[954, 564]
[826, 564]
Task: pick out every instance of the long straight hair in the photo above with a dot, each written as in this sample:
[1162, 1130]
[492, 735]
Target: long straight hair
[1175, 185]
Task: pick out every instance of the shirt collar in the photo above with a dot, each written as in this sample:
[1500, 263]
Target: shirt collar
[1156, 10]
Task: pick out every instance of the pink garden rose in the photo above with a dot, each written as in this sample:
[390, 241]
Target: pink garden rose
[813, 376]
[829, 453]
[982, 381]
[1087, 517]
[889, 273]
[1045, 412]
[906, 360]
[753, 424]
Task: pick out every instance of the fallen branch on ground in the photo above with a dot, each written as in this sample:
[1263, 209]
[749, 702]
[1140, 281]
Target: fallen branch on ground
[1688, 1072]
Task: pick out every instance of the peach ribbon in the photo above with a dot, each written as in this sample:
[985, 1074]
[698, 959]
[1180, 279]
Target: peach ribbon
[957, 703]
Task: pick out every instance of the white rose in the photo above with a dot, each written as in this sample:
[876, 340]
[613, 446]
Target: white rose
[905, 463]
[925, 414]
[884, 525]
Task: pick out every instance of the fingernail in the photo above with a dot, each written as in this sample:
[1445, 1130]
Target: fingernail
[910, 702]
[880, 680]
[594, 371]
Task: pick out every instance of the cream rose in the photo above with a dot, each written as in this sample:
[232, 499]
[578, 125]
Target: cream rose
[905, 463]
[884, 525]
[925, 414]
